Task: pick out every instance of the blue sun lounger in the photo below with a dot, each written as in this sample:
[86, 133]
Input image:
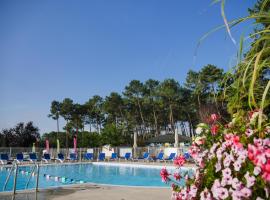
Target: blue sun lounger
[46, 157]
[127, 156]
[159, 157]
[187, 156]
[101, 157]
[145, 157]
[73, 157]
[60, 158]
[19, 158]
[114, 156]
[171, 157]
[4, 158]
[88, 156]
[33, 157]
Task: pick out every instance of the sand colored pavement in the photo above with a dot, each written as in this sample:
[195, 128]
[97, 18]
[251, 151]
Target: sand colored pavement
[118, 193]
[94, 192]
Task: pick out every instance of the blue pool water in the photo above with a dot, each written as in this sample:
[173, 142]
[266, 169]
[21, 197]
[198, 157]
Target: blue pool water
[84, 173]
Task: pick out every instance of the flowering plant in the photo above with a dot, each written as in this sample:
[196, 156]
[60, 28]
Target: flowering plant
[233, 161]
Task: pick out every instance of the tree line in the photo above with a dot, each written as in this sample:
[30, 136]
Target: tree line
[147, 108]
[22, 135]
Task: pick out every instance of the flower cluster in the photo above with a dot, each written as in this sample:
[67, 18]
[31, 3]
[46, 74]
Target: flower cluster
[259, 154]
[233, 161]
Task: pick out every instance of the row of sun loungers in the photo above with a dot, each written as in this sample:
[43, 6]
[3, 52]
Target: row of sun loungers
[4, 158]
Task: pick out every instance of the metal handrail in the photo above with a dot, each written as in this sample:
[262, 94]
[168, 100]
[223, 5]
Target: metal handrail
[37, 180]
[36, 167]
[31, 174]
[15, 166]
[8, 177]
[15, 179]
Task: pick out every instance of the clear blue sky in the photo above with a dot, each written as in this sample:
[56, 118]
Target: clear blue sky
[54, 49]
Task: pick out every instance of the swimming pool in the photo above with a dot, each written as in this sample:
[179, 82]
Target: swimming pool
[97, 173]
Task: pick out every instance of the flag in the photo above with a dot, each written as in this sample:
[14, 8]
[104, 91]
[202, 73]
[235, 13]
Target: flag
[75, 144]
[34, 148]
[47, 146]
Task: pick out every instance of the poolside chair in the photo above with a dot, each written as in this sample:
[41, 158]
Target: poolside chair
[187, 156]
[19, 158]
[60, 158]
[113, 157]
[73, 157]
[145, 157]
[101, 157]
[159, 157]
[127, 156]
[4, 159]
[88, 156]
[46, 157]
[33, 157]
[171, 157]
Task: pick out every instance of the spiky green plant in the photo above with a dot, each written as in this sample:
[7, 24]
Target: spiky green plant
[248, 83]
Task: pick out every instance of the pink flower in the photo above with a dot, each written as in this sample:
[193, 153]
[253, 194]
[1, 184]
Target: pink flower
[183, 194]
[223, 193]
[219, 153]
[177, 176]
[227, 161]
[214, 117]
[226, 180]
[214, 129]
[249, 132]
[164, 175]
[257, 170]
[233, 140]
[193, 191]
[236, 195]
[218, 166]
[236, 184]
[215, 188]
[252, 152]
[266, 142]
[179, 161]
[266, 176]
[205, 195]
[258, 142]
[237, 166]
[246, 192]
[250, 180]
[226, 172]
[267, 130]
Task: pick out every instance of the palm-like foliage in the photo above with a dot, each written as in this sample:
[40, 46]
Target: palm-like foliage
[250, 84]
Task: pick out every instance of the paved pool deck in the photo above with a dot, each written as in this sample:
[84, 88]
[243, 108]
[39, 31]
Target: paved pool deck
[95, 192]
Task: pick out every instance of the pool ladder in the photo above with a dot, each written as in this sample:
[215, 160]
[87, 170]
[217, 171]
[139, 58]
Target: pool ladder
[15, 167]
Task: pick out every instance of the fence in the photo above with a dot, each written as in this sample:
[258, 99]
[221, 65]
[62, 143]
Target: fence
[12, 151]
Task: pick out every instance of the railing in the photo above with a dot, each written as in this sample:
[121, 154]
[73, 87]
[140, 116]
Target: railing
[14, 169]
[8, 177]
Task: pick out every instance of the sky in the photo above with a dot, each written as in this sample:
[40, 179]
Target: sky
[53, 49]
